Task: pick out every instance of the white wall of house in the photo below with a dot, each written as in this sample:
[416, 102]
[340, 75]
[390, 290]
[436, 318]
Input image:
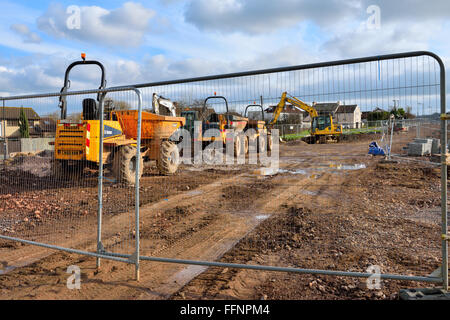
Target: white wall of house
[12, 127]
[353, 120]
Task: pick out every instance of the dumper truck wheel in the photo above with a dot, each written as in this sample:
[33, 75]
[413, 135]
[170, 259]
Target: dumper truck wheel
[168, 159]
[124, 166]
[269, 142]
[237, 146]
[261, 144]
[62, 170]
[246, 145]
[58, 169]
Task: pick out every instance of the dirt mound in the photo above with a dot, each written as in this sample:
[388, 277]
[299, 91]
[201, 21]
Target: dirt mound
[360, 137]
[239, 194]
[35, 165]
[296, 143]
[415, 170]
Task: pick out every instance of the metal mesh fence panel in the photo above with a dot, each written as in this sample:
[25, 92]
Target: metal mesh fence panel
[308, 207]
[49, 187]
[204, 212]
[323, 212]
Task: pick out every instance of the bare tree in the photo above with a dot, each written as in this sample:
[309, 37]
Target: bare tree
[111, 104]
[54, 115]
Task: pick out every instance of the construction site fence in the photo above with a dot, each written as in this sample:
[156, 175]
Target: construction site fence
[58, 207]
[409, 80]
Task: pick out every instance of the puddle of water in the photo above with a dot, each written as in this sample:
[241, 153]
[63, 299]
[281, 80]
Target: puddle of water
[298, 171]
[333, 167]
[266, 171]
[195, 193]
[7, 269]
[349, 167]
[309, 193]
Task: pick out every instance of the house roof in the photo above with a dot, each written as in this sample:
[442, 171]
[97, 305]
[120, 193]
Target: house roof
[46, 125]
[13, 113]
[326, 107]
[347, 109]
[287, 109]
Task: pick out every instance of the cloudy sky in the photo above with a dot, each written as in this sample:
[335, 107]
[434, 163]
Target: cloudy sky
[169, 39]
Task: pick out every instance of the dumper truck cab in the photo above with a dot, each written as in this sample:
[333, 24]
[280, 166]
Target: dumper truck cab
[220, 122]
[77, 143]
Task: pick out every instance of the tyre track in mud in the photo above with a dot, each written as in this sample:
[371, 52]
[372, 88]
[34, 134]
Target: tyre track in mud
[221, 214]
[208, 234]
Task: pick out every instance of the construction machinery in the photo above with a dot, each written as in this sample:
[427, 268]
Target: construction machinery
[323, 129]
[219, 121]
[400, 126]
[77, 143]
[256, 130]
[159, 101]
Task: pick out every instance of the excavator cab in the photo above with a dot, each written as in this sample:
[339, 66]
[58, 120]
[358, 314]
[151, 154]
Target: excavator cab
[321, 123]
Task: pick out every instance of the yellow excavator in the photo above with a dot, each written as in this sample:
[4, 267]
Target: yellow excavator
[323, 129]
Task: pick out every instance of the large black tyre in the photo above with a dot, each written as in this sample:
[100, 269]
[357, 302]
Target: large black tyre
[124, 165]
[58, 169]
[61, 170]
[168, 159]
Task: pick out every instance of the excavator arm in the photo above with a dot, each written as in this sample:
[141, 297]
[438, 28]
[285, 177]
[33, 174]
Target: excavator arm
[296, 103]
[322, 127]
[161, 101]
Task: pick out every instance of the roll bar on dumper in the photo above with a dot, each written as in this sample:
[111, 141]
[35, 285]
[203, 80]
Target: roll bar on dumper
[78, 143]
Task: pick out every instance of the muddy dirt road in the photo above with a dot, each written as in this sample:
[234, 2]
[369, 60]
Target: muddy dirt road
[329, 207]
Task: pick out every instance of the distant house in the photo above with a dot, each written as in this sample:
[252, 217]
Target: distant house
[46, 127]
[10, 121]
[365, 115]
[347, 115]
[256, 115]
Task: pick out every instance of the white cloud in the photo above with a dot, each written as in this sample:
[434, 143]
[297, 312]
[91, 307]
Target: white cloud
[122, 27]
[27, 35]
[262, 16]
[27, 79]
[253, 34]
